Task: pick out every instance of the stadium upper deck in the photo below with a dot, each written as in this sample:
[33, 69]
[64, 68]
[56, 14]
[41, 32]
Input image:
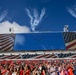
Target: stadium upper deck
[38, 41]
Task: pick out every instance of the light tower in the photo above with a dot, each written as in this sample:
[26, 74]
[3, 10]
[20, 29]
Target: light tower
[11, 29]
[66, 28]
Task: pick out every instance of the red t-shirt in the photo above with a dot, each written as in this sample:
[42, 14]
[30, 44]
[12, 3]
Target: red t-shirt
[21, 72]
[70, 71]
[42, 73]
[27, 72]
[4, 72]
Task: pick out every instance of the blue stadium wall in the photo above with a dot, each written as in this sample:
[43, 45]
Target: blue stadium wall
[38, 41]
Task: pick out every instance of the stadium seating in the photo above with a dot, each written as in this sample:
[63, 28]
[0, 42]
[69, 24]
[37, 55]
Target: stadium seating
[29, 55]
[38, 56]
[69, 36]
[61, 55]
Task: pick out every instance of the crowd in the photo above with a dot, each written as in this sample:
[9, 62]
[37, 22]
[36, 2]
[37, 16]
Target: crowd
[38, 67]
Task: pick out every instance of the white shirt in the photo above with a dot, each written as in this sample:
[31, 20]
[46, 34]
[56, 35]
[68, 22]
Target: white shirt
[52, 69]
[14, 73]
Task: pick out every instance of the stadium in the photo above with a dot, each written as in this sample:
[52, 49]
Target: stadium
[38, 45]
[35, 49]
[37, 37]
[38, 52]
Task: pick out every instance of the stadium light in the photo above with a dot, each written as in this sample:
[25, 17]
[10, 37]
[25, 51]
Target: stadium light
[66, 28]
[11, 30]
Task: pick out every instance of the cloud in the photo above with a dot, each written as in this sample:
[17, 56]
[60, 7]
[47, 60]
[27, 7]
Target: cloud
[72, 11]
[3, 15]
[35, 18]
[4, 27]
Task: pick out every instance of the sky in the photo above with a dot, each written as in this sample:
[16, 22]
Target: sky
[58, 13]
[26, 16]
